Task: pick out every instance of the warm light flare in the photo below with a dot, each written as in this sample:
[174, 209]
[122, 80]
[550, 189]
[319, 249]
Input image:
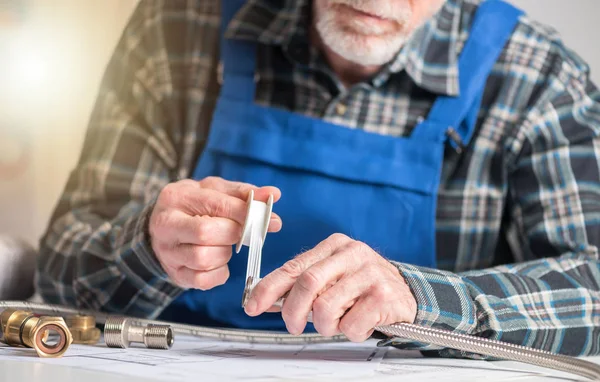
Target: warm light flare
[39, 71]
[29, 68]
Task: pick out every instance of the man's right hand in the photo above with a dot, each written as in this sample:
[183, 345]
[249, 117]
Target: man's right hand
[194, 225]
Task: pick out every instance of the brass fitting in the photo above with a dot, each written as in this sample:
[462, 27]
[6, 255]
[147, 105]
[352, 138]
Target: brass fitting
[83, 329]
[22, 328]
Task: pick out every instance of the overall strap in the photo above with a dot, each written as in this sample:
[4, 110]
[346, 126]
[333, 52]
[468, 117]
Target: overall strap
[238, 58]
[493, 24]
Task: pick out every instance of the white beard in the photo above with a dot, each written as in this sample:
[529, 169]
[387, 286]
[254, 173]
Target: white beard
[366, 44]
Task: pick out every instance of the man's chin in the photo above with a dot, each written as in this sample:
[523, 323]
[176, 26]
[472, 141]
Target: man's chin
[364, 53]
[363, 48]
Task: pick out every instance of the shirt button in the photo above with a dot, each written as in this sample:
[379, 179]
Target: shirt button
[340, 109]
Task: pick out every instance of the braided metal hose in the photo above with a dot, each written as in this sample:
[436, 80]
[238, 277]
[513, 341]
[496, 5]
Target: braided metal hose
[496, 349]
[477, 345]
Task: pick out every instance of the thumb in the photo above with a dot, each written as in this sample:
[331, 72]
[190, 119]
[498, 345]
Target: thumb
[262, 194]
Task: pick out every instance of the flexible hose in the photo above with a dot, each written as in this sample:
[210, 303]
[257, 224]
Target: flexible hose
[446, 339]
[496, 349]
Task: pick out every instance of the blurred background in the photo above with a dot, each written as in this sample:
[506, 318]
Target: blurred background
[52, 57]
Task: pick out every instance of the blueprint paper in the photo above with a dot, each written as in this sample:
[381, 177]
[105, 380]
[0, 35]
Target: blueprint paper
[411, 366]
[220, 361]
[194, 359]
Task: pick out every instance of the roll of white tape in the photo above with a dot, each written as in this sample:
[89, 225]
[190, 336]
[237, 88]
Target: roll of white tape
[258, 216]
[253, 236]
[254, 220]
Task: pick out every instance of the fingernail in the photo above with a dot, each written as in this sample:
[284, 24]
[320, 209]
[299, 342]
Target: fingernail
[276, 223]
[251, 306]
[295, 331]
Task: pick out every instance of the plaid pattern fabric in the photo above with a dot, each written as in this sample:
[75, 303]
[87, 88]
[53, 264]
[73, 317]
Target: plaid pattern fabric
[518, 212]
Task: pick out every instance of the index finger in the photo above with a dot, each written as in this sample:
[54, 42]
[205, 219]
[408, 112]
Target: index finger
[240, 189]
[206, 201]
[277, 283]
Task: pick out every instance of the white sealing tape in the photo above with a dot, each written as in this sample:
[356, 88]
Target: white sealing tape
[253, 236]
[258, 216]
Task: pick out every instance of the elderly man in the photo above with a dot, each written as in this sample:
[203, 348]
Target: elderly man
[433, 162]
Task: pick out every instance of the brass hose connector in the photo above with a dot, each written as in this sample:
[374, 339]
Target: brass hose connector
[83, 329]
[23, 328]
[120, 333]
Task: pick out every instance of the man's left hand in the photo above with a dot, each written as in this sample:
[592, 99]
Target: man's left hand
[348, 286]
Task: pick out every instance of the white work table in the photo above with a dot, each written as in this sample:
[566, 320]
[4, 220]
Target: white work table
[193, 359]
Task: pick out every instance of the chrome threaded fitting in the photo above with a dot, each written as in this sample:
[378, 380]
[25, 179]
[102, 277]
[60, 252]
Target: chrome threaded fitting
[247, 290]
[158, 337]
[120, 333]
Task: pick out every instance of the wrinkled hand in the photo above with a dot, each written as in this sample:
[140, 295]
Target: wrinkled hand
[347, 285]
[194, 225]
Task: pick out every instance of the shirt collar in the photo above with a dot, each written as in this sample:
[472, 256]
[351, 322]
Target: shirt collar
[429, 57]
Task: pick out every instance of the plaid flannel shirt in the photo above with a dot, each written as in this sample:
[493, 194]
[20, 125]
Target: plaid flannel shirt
[518, 211]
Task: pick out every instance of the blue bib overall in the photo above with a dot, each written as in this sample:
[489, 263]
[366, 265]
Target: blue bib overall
[381, 190]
